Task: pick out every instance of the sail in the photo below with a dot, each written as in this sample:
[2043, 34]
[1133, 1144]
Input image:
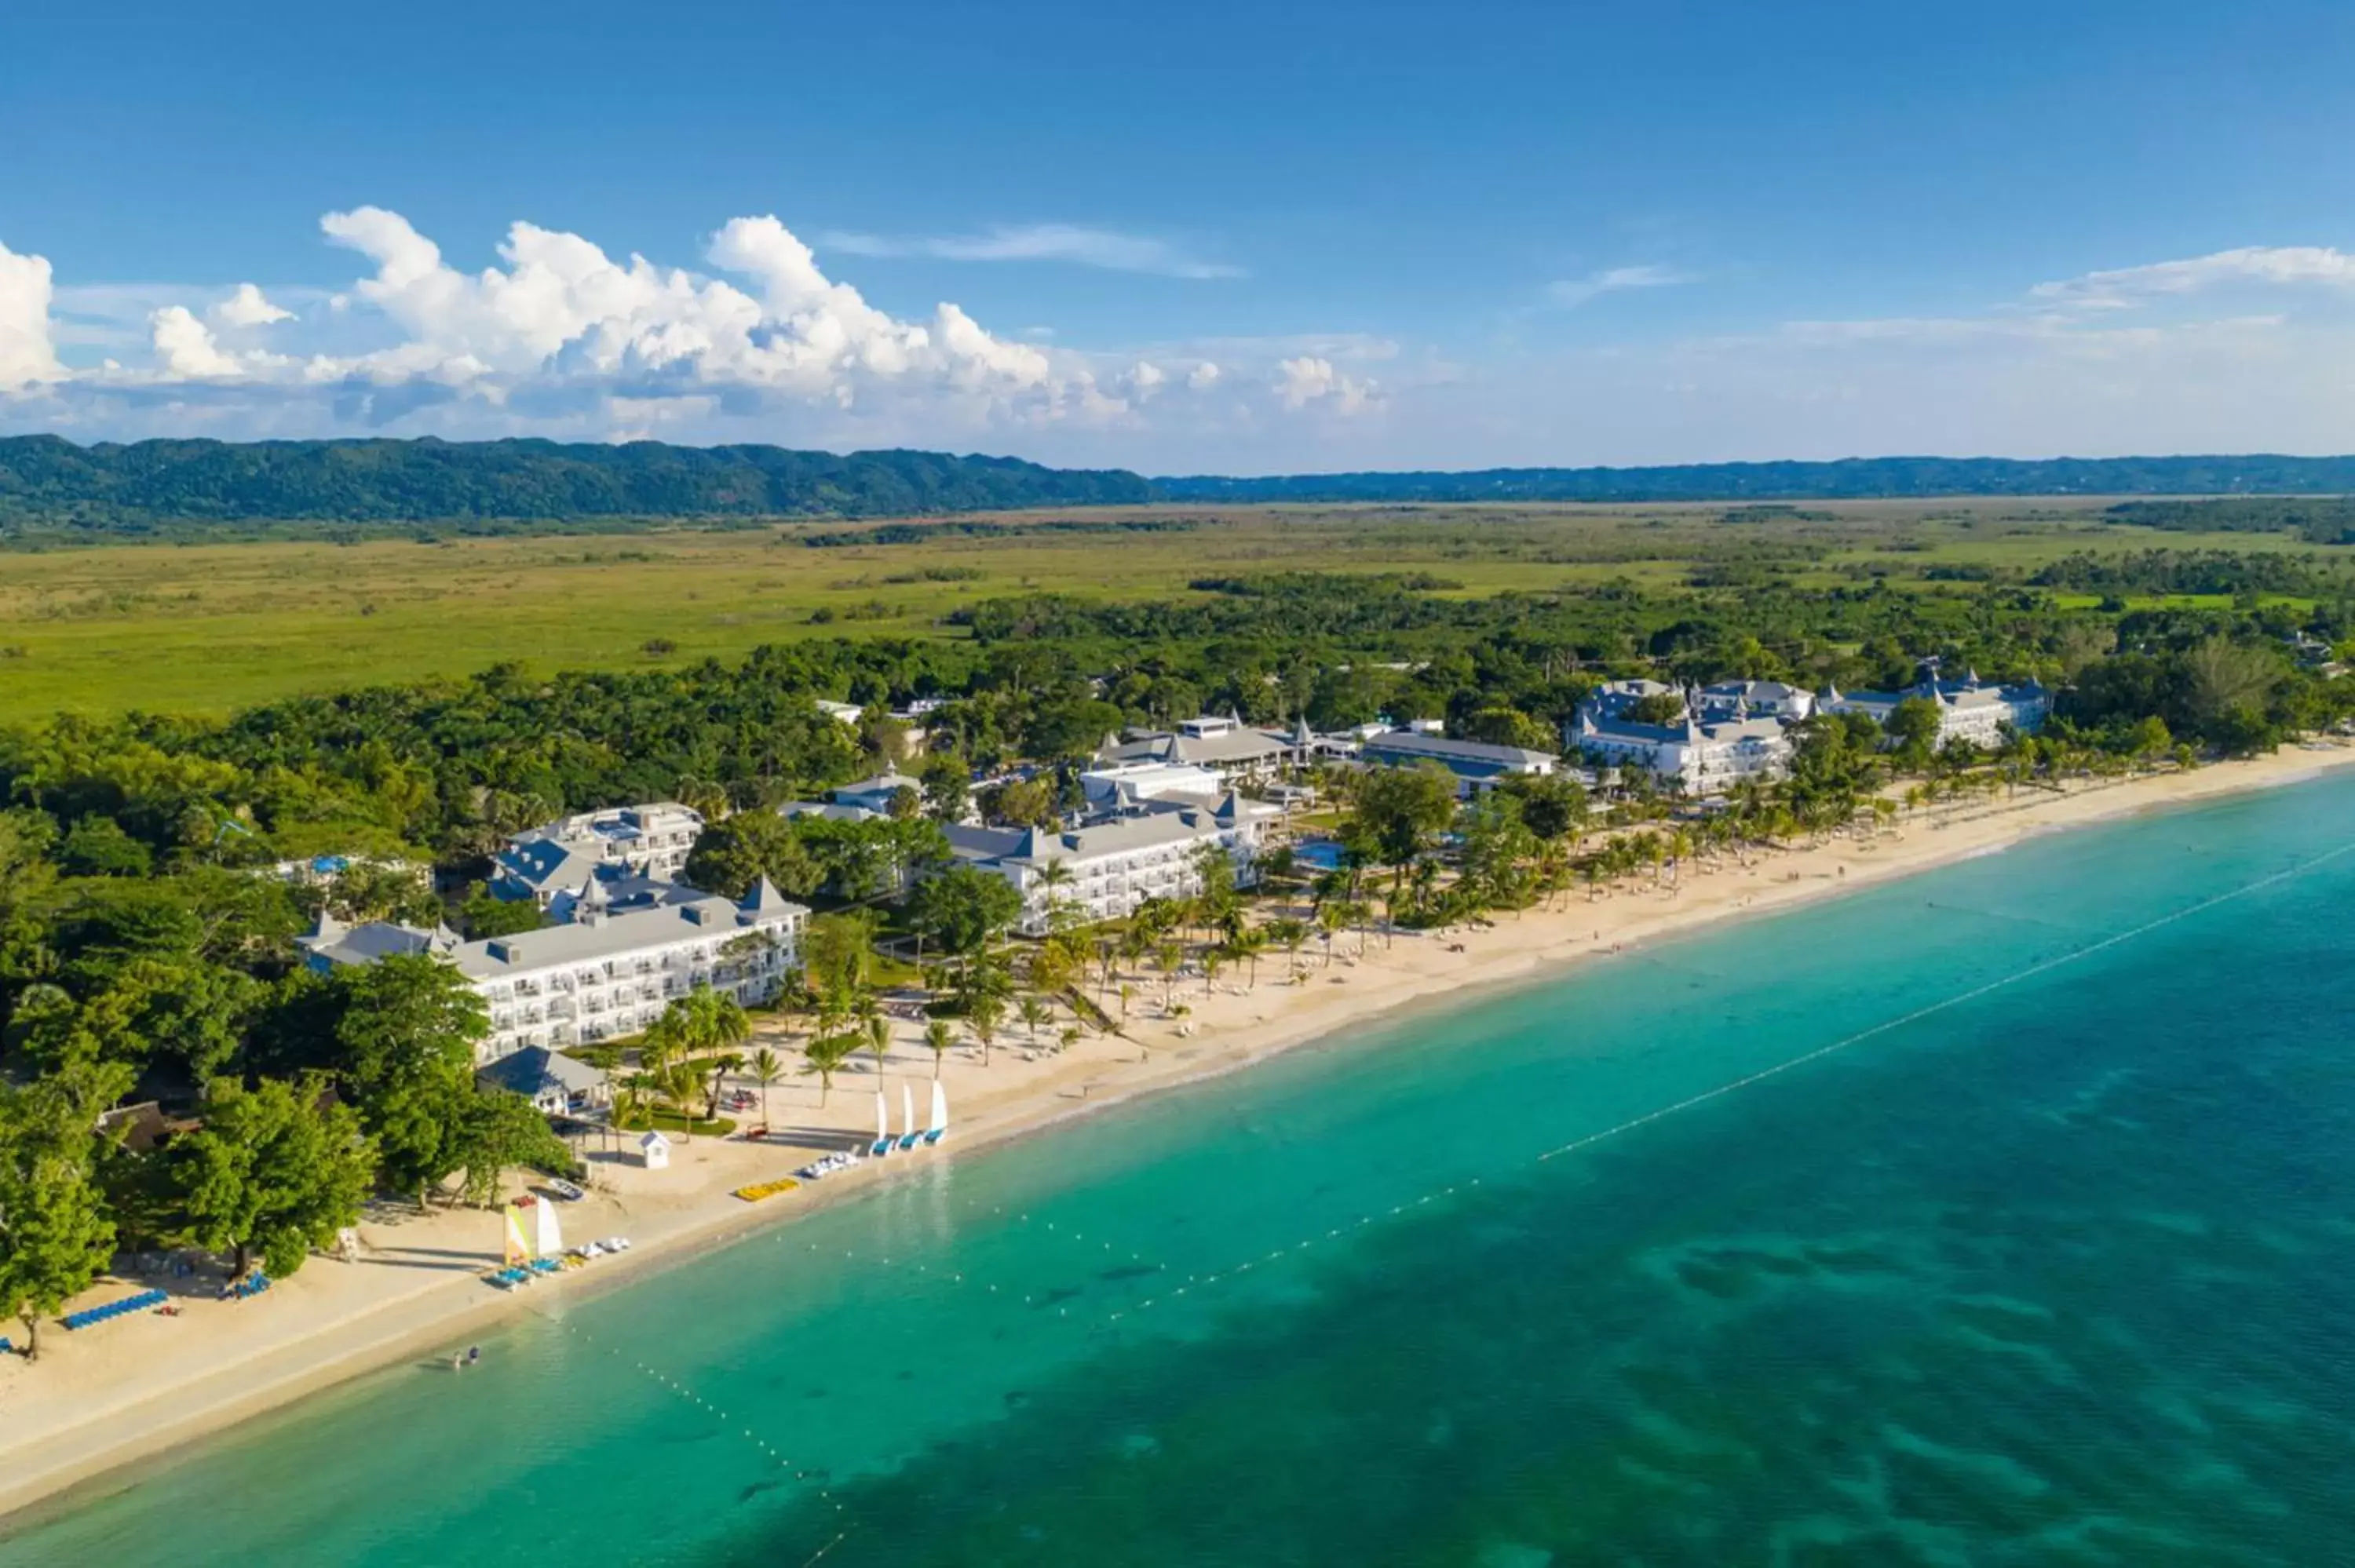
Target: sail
[907, 1112]
[882, 1119]
[518, 1250]
[940, 1123]
[545, 1232]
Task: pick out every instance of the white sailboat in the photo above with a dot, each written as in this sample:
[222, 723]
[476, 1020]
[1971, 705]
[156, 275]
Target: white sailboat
[907, 1134]
[518, 1250]
[548, 1236]
[883, 1126]
[938, 1127]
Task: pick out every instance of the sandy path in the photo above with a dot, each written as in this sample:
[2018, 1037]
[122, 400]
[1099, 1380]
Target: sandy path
[106, 1396]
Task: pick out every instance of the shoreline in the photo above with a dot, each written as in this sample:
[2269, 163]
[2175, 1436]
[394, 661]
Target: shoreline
[144, 1386]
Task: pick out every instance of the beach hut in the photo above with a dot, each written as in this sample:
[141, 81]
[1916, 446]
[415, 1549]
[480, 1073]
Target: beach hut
[654, 1149]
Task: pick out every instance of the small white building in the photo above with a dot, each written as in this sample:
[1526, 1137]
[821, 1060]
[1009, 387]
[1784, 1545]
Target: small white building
[651, 841]
[653, 1151]
[554, 1083]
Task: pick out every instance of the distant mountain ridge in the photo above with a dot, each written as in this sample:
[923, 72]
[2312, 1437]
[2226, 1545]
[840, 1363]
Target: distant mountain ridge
[111, 487]
[1858, 479]
[52, 488]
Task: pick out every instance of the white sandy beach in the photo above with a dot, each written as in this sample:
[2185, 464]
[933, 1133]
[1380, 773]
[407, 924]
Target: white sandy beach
[106, 1396]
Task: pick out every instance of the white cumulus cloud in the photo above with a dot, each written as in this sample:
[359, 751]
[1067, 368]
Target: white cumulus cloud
[186, 349]
[248, 307]
[1313, 379]
[27, 351]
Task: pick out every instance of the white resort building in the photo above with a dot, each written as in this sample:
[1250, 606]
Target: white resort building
[1118, 786]
[1969, 709]
[608, 973]
[1235, 751]
[1110, 867]
[1717, 740]
[650, 842]
[1477, 765]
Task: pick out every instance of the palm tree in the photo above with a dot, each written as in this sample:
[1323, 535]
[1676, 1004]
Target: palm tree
[877, 1031]
[1054, 876]
[1292, 934]
[718, 1067]
[1169, 958]
[677, 1082]
[939, 1036]
[1034, 1013]
[1069, 1037]
[822, 1056]
[766, 1070]
[1332, 918]
[633, 1098]
[1247, 943]
[983, 1015]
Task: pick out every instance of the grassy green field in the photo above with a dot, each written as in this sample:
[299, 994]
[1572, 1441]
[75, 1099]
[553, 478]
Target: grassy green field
[211, 628]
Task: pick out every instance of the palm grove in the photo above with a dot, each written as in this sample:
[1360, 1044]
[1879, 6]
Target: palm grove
[143, 958]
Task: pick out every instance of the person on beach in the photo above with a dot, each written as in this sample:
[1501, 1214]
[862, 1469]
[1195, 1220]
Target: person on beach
[474, 1354]
[457, 1363]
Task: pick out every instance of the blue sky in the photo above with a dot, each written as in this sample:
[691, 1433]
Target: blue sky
[1203, 238]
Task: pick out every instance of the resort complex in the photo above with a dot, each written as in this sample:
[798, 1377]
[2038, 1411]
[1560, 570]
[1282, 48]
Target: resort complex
[1703, 740]
[757, 942]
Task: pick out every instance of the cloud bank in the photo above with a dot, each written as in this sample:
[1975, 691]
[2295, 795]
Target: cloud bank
[2244, 349]
[561, 337]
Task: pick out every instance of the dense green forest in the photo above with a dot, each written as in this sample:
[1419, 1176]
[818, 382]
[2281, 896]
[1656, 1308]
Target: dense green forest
[52, 489]
[1848, 478]
[50, 485]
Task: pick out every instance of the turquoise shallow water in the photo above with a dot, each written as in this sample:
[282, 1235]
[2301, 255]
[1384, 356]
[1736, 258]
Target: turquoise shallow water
[2060, 1269]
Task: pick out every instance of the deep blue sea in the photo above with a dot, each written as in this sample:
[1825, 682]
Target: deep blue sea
[2049, 1259]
